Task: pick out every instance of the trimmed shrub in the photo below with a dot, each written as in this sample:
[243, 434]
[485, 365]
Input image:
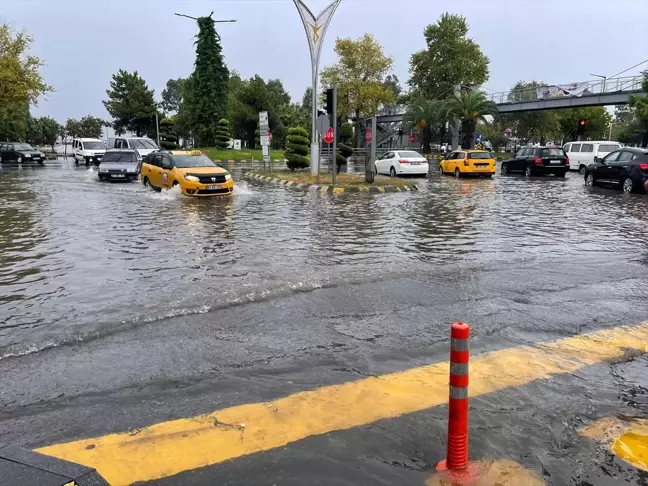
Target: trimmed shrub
[223, 134]
[297, 149]
[341, 158]
[168, 145]
[346, 132]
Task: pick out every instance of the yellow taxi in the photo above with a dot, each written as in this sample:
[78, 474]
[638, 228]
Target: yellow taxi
[195, 173]
[468, 162]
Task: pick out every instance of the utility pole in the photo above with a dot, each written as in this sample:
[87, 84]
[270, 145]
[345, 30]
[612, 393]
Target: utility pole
[455, 122]
[157, 127]
[334, 156]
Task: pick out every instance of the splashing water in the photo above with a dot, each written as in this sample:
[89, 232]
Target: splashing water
[241, 188]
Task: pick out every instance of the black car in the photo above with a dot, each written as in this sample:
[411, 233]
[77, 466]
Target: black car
[20, 152]
[119, 165]
[533, 161]
[626, 169]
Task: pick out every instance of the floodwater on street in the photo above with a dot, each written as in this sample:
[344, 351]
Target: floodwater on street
[82, 258]
[135, 306]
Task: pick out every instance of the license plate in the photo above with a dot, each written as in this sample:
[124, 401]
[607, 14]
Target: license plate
[213, 188]
[118, 176]
[481, 165]
[415, 163]
[556, 162]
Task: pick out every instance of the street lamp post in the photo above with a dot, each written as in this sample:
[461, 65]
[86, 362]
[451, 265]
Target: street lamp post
[604, 78]
[315, 28]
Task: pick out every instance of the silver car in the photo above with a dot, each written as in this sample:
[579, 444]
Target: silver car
[119, 165]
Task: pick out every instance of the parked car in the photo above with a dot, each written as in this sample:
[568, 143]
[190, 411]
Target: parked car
[143, 145]
[468, 162]
[119, 165]
[88, 150]
[402, 162]
[626, 169]
[582, 154]
[195, 173]
[535, 161]
[20, 152]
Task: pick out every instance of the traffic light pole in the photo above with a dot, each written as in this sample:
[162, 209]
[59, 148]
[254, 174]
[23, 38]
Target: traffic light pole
[334, 156]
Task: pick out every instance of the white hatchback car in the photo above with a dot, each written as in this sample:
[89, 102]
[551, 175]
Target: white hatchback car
[402, 162]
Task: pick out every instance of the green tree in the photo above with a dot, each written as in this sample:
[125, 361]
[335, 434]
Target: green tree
[168, 136]
[91, 126]
[173, 95]
[639, 103]
[360, 78]
[297, 149]
[470, 107]
[21, 83]
[49, 130]
[131, 104]
[346, 132]
[450, 58]
[209, 100]
[598, 122]
[223, 135]
[427, 116]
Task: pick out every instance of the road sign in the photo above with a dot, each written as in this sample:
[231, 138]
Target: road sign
[270, 136]
[368, 136]
[264, 135]
[323, 124]
[265, 141]
[479, 137]
[411, 139]
[328, 136]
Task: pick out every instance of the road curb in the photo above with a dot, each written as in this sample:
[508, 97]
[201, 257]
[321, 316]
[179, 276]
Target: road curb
[330, 189]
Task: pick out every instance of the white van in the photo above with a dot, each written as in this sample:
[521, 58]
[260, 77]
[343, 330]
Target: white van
[88, 150]
[142, 145]
[582, 154]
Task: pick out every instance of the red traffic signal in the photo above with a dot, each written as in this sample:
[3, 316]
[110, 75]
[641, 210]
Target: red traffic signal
[582, 122]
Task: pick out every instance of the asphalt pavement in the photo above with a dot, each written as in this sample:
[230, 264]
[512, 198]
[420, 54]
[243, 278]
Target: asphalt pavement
[123, 309]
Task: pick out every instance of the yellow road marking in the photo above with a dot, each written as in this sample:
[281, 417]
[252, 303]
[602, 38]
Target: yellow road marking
[172, 447]
[626, 439]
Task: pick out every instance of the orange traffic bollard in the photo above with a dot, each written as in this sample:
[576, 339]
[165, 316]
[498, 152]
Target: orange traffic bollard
[457, 455]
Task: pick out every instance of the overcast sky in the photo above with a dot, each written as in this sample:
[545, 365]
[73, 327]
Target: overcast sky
[85, 41]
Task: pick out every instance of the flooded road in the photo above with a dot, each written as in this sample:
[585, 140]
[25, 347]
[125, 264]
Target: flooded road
[112, 296]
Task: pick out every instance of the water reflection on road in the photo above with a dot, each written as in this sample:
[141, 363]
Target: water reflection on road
[81, 258]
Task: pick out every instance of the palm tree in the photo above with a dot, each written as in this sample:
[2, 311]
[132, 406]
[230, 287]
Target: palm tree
[427, 116]
[470, 107]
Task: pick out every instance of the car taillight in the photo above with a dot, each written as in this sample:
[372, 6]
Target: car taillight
[566, 160]
[643, 166]
[537, 161]
[466, 162]
[404, 161]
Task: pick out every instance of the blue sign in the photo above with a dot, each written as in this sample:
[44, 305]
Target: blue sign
[479, 137]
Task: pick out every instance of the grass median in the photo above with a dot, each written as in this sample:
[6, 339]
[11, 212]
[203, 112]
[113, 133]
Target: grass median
[243, 154]
[342, 180]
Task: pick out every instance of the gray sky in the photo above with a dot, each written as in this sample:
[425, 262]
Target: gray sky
[85, 41]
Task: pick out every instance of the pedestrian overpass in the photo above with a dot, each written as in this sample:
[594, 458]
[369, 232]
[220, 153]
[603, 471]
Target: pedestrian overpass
[612, 91]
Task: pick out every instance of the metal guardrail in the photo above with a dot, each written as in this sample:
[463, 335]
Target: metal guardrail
[585, 88]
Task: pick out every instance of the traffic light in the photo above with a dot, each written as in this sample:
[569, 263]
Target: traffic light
[329, 101]
[582, 123]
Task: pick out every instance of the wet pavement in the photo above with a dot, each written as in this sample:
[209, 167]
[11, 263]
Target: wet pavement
[120, 308]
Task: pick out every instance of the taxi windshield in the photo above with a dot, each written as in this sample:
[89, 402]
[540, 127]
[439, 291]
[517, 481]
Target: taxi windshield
[186, 161]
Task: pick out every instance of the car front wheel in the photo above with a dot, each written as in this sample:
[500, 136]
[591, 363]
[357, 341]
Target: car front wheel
[19, 159]
[628, 185]
[392, 172]
[457, 173]
[504, 168]
[589, 180]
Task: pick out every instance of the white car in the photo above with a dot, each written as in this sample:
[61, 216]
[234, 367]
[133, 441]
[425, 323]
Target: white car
[582, 154]
[88, 150]
[402, 162]
[142, 145]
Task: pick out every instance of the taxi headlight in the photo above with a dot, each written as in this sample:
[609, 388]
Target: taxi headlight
[192, 178]
[228, 177]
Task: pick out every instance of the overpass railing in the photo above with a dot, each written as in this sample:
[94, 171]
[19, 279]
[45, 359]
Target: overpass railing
[585, 88]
